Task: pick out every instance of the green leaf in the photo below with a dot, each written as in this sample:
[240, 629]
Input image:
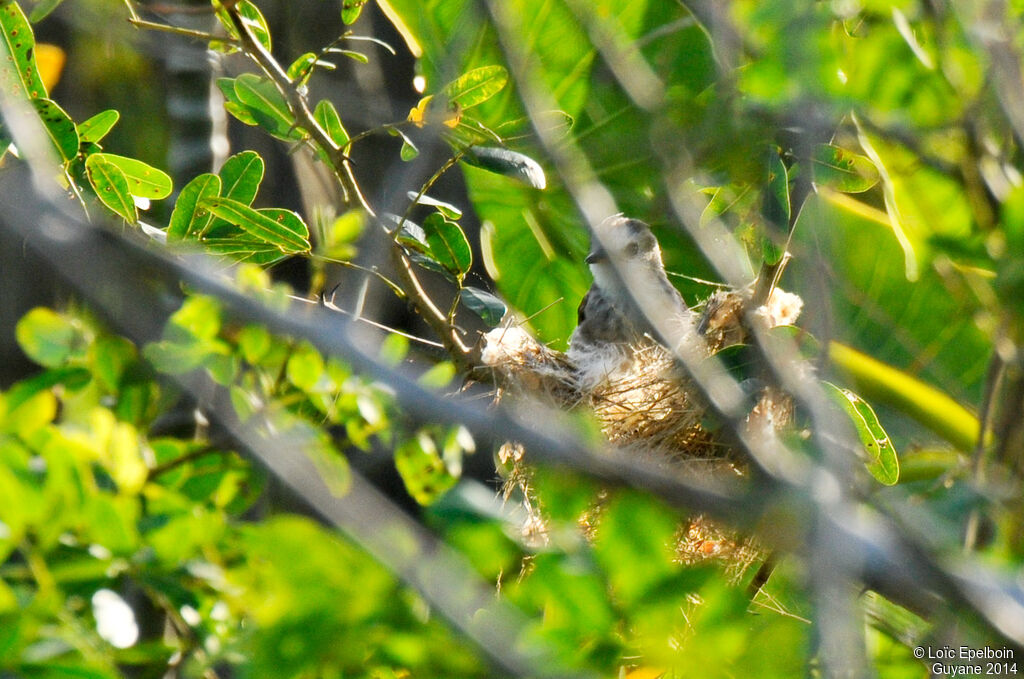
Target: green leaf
[234, 105]
[394, 349]
[302, 68]
[447, 209]
[327, 116]
[439, 375]
[509, 163]
[254, 341]
[188, 220]
[241, 175]
[881, 455]
[409, 150]
[885, 384]
[776, 209]
[18, 69]
[476, 86]
[111, 186]
[636, 561]
[843, 170]
[245, 249]
[43, 9]
[110, 356]
[448, 244]
[281, 228]
[483, 304]
[351, 54]
[253, 20]
[59, 127]
[422, 469]
[350, 10]
[144, 180]
[46, 337]
[305, 366]
[267, 106]
[95, 128]
[290, 221]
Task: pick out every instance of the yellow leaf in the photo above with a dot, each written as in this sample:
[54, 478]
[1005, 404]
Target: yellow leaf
[646, 673]
[50, 60]
[418, 115]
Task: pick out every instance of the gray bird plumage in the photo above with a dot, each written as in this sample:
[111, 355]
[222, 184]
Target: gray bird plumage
[626, 263]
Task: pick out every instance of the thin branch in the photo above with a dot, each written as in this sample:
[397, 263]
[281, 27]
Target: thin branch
[428, 310]
[177, 30]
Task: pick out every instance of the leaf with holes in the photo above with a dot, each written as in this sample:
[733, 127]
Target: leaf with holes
[483, 304]
[144, 180]
[475, 87]
[97, 127]
[59, 127]
[509, 163]
[285, 231]
[843, 170]
[327, 116]
[111, 186]
[448, 244]
[882, 461]
[267, 106]
[18, 69]
[188, 220]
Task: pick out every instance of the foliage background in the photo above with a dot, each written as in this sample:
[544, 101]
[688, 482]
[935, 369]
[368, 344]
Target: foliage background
[113, 491]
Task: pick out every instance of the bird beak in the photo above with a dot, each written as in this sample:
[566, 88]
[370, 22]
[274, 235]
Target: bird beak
[596, 255]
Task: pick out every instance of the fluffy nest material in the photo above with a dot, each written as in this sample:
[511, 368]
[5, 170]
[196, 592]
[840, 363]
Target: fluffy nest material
[645, 405]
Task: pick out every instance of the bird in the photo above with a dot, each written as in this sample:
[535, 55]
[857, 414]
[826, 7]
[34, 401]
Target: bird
[626, 263]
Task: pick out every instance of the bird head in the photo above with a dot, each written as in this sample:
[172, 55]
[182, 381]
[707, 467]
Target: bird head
[620, 241]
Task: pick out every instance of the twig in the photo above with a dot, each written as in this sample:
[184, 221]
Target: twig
[434, 317]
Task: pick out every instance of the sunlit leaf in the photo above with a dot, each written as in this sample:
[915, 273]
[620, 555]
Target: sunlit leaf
[843, 170]
[327, 116]
[267, 105]
[880, 454]
[18, 69]
[143, 180]
[46, 337]
[305, 366]
[252, 18]
[188, 220]
[111, 186]
[281, 228]
[422, 469]
[476, 86]
[241, 175]
[930, 406]
[95, 128]
[59, 127]
[350, 10]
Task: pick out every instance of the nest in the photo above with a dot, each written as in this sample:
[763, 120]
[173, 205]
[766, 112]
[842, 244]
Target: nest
[645, 406]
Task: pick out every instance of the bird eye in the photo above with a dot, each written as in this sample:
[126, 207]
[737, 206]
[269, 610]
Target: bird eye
[632, 249]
